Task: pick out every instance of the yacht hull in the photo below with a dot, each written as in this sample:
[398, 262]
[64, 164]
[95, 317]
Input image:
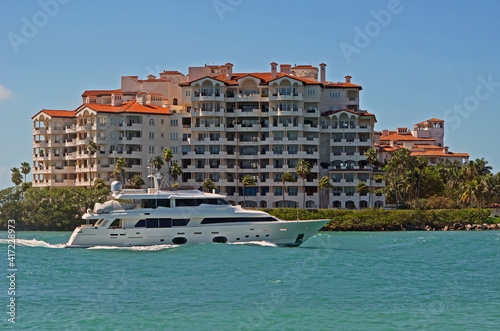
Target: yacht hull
[289, 233]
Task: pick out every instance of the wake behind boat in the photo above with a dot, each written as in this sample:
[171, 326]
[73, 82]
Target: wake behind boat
[180, 216]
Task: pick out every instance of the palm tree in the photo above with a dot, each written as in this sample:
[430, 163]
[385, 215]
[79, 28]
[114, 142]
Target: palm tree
[469, 172]
[286, 177]
[167, 156]
[303, 169]
[404, 165]
[175, 171]
[208, 185]
[16, 176]
[99, 183]
[371, 158]
[362, 189]
[157, 163]
[25, 169]
[92, 148]
[420, 163]
[482, 168]
[119, 170]
[246, 181]
[323, 183]
[136, 182]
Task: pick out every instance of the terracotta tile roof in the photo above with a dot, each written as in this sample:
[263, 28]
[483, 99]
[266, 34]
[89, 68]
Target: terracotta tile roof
[428, 147]
[265, 78]
[306, 66]
[386, 148]
[173, 72]
[153, 80]
[403, 137]
[439, 153]
[331, 112]
[96, 93]
[128, 107]
[57, 113]
[342, 85]
[431, 120]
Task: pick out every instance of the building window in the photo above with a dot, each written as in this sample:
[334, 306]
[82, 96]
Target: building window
[151, 149]
[151, 121]
[188, 93]
[334, 95]
[311, 92]
[174, 136]
[175, 150]
[162, 121]
[174, 122]
[151, 135]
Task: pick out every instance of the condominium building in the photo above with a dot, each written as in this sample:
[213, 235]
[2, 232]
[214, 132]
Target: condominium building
[426, 139]
[220, 125]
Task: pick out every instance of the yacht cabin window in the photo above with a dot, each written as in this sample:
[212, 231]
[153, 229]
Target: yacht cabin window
[197, 202]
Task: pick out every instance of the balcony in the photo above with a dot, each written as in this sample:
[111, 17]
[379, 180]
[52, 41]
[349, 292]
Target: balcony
[38, 143]
[311, 127]
[83, 141]
[247, 127]
[247, 97]
[247, 112]
[39, 131]
[207, 127]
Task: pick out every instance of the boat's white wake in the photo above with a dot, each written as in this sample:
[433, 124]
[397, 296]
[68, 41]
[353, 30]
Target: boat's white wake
[256, 243]
[137, 248]
[31, 243]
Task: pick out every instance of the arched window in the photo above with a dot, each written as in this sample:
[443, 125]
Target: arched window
[337, 204]
[310, 204]
[363, 204]
[350, 204]
[174, 102]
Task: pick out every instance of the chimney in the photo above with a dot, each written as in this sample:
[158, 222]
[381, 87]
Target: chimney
[116, 99]
[348, 79]
[273, 70]
[229, 71]
[140, 98]
[323, 72]
[286, 69]
[385, 133]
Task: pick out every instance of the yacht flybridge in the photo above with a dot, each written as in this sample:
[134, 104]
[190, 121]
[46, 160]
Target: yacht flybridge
[180, 216]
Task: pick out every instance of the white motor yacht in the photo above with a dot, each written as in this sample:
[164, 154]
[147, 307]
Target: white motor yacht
[180, 216]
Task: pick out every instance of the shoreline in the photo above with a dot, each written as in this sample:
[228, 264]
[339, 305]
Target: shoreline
[455, 227]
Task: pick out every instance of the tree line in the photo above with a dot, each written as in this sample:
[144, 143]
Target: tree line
[411, 182]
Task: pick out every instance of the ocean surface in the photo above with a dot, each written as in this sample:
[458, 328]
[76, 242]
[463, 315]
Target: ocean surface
[335, 281]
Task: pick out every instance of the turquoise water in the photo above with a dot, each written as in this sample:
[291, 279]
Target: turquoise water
[335, 281]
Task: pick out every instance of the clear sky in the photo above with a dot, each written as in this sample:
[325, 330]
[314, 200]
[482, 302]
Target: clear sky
[416, 59]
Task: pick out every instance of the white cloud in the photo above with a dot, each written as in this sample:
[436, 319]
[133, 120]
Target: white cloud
[5, 93]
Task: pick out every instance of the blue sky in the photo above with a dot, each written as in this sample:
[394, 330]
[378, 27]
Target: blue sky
[415, 59]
